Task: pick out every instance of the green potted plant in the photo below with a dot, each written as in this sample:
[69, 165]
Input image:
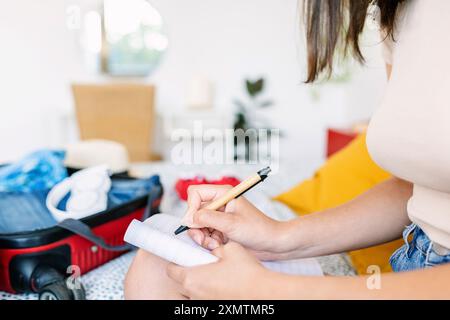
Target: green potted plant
[246, 118]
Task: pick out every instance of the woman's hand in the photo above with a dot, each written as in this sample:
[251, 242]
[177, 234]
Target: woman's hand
[239, 221]
[237, 275]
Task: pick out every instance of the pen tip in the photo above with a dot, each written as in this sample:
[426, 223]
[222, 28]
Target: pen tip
[180, 229]
[264, 172]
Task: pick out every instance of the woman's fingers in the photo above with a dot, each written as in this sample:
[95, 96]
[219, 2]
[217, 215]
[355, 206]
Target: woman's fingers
[230, 250]
[219, 252]
[221, 221]
[216, 224]
[204, 238]
[217, 235]
[206, 226]
[230, 206]
[197, 235]
[198, 195]
[210, 243]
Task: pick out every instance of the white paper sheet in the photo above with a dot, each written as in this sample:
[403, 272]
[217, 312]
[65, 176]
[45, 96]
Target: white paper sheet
[156, 235]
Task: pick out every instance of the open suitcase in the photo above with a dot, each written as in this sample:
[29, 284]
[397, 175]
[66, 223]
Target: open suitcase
[46, 261]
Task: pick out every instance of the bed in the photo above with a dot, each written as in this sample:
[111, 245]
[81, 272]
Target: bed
[106, 282]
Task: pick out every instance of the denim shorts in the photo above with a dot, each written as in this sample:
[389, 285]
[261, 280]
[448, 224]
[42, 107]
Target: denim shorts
[418, 253]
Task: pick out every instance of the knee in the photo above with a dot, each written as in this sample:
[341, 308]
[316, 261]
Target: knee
[131, 284]
[147, 279]
[144, 277]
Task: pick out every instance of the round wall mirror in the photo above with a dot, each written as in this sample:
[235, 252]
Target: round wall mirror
[125, 38]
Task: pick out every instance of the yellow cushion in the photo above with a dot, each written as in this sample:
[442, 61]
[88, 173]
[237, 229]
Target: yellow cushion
[345, 175]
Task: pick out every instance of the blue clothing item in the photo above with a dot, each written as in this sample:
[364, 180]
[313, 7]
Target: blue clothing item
[24, 211]
[39, 171]
[20, 212]
[125, 190]
[418, 253]
[122, 191]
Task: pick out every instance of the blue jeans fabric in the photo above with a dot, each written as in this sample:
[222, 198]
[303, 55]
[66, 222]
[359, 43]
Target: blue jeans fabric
[26, 211]
[417, 253]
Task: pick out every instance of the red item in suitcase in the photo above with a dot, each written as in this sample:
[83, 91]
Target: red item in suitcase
[182, 185]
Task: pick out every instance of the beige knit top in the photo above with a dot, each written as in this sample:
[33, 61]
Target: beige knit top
[409, 134]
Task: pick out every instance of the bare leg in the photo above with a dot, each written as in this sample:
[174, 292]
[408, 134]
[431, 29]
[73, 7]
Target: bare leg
[147, 279]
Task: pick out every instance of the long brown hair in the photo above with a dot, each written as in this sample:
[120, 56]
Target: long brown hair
[333, 25]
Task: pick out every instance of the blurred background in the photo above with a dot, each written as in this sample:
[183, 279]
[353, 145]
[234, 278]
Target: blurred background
[225, 63]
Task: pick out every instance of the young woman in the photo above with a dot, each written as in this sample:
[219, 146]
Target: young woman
[409, 135]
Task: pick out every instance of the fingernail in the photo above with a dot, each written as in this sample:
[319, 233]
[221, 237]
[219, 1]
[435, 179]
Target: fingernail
[212, 245]
[198, 239]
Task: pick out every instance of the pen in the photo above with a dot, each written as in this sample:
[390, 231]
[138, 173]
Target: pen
[233, 193]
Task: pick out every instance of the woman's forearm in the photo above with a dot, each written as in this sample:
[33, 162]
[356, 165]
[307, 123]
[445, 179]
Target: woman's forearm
[375, 217]
[380, 286]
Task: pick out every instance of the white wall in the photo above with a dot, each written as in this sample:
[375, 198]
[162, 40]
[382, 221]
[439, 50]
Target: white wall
[222, 39]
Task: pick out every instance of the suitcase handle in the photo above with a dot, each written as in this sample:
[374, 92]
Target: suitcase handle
[83, 230]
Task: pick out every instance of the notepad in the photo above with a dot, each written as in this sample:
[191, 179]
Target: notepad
[156, 235]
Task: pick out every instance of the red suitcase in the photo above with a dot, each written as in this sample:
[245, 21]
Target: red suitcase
[42, 261]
